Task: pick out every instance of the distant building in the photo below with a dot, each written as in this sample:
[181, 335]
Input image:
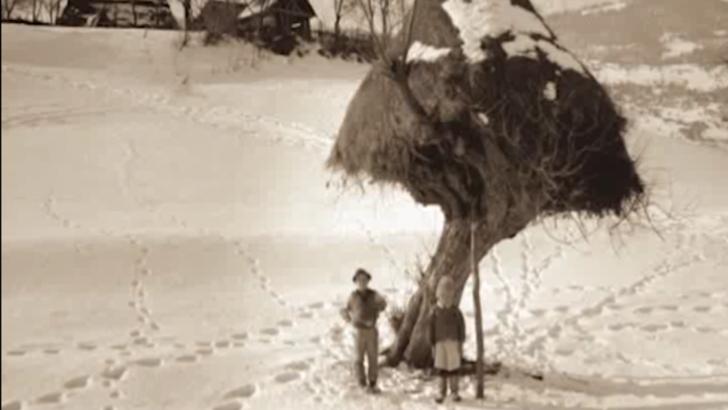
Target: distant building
[277, 18]
[118, 13]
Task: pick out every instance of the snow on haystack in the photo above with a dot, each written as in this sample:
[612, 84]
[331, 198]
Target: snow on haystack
[549, 91]
[423, 52]
[690, 76]
[676, 46]
[476, 20]
[483, 117]
[525, 46]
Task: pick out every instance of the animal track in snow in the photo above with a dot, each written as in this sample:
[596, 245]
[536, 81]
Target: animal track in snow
[242, 392]
[645, 310]
[150, 362]
[562, 309]
[286, 377]
[240, 336]
[205, 351]
[78, 383]
[14, 405]
[678, 324]
[705, 329]
[298, 366]
[271, 331]
[229, 406]
[652, 328]
[87, 346]
[537, 312]
[188, 358]
[115, 373]
[52, 398]
[16, 353]
[564, 352]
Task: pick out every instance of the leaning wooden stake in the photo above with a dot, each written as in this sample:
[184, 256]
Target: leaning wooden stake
[479, 376]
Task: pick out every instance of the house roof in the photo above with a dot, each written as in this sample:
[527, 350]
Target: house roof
[294, 7]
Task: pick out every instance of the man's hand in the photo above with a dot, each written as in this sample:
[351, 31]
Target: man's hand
[345, 315]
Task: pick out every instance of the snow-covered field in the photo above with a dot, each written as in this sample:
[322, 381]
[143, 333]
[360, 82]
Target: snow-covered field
[170, 239]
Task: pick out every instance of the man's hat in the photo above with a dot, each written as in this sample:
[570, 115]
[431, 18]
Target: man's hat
[359, 272]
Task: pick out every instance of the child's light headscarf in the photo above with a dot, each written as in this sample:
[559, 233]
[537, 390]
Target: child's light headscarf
[445, 292]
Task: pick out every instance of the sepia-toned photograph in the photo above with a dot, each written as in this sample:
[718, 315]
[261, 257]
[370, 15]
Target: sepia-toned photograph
[364, 204]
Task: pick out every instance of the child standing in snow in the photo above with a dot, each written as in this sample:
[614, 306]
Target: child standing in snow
[362, 311]
[447, 334]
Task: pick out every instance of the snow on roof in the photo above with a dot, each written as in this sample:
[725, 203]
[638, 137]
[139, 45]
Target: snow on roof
[477, 19]
[424, 52]
[524, 45]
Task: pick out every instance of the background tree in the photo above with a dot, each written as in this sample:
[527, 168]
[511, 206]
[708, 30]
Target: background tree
[53, 10]
[187, 10]
[8, 6]
[341, 8]
[496, 124]
[36, 7]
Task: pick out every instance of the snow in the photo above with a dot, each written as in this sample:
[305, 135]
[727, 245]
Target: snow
[427, 53]
[715, 133]
[168, 241]
[690, 76]
[484, 118]
[476, 20]
[675, 46]
[605, 8]
[549, 91]
[524, 45]
[552, 7]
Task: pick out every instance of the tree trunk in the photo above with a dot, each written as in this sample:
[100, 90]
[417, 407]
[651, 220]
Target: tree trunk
[337, 32]
[452, 258]
[187, 6]
[34, 11]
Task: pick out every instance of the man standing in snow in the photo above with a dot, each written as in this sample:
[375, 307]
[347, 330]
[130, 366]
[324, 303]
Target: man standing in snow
[362, 311]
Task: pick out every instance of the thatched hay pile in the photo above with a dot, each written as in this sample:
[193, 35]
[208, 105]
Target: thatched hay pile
[511, 118]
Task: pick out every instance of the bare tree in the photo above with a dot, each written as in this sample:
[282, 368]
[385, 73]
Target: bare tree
[53, 10]
[341, 8]
[8, 8]
[36, 7]
[187, 7]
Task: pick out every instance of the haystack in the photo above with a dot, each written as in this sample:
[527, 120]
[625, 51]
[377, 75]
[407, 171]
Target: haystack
[489, 72]
[512, 127]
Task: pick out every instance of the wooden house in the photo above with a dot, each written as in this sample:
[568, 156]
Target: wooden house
[118, 13]
[275, 19]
